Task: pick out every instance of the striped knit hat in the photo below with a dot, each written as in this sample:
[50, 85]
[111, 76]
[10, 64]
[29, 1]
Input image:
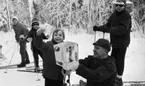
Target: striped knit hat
[120, 2]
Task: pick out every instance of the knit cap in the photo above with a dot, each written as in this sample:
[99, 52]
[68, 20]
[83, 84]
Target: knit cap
[103, 43]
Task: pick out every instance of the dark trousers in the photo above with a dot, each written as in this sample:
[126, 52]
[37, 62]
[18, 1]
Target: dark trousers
[36, 52]
[119, 55]
[50, 82]
[23, 52]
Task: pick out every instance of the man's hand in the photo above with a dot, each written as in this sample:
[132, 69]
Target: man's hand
[71, 65]
[21, 36]
[29, 39]
[95, 28]
[40, 31]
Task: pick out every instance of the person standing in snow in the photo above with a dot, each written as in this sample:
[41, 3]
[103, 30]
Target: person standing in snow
[36, 51]
[99, 69]
[119, 27]
[52, 73]
[20, 35]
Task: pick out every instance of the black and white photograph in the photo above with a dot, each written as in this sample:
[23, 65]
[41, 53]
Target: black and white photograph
[72, 42]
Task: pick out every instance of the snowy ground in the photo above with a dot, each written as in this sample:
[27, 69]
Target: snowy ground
[134, 63]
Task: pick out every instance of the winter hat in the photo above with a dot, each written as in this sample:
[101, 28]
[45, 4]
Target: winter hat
[103, 43]
[123, 2]
[35, 23]
[14, 17]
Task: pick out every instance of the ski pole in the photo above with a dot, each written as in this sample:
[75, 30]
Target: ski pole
[37, 73]
[10, 59]
[103, 35]
[95, 37]
[38, 79]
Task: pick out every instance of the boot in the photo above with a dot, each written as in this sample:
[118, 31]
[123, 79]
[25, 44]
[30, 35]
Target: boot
[37, 69]
[27, 62]
[118, 82]
[21, 65]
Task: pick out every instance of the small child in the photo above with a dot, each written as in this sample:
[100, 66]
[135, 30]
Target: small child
[35, 51]
[51, 71]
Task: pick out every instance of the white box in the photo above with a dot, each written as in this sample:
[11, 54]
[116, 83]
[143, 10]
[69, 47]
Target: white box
[66, 52]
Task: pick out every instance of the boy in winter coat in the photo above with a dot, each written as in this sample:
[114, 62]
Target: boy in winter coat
[51, 71]
[119, 27]
[20, 35]
[35, 51]
[99, 69]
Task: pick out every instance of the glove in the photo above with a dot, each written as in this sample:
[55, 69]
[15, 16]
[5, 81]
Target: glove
[21, 37]
[95, 28]
[71, 65]
[40, 31]
[48, 36]
[29, 39]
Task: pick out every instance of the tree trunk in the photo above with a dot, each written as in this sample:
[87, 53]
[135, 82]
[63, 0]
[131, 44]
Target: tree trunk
[30, 11]
[36, 4]
[8, 13]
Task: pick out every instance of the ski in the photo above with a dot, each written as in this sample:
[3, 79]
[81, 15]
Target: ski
[136, 82]
[13, 66]
[29, 70]
[9, 67]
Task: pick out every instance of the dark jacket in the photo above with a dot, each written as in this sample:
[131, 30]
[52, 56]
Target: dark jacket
[98, 72]
[50, 69]
[20, 29]
[32, 33]
[119, 27]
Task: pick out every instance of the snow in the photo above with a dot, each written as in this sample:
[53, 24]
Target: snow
[15, 78]
[134, 62]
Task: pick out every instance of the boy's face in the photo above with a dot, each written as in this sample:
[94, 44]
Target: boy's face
[36, 27]
[99, 52]
[119, 7]
[58, 37]
[14, 21]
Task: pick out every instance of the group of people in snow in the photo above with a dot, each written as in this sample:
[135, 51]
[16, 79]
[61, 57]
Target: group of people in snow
[99, 69]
